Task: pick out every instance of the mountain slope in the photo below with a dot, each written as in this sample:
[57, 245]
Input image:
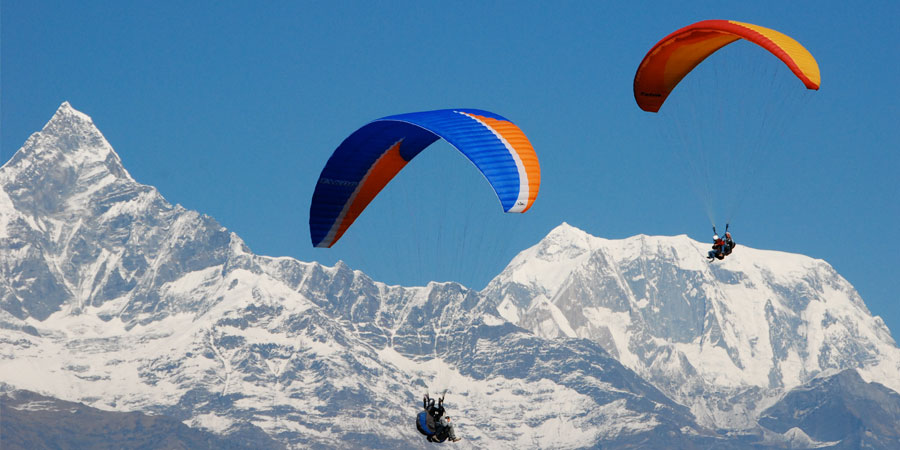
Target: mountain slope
[726, 338]
[112, 297]
[35, 421]
[840, 408]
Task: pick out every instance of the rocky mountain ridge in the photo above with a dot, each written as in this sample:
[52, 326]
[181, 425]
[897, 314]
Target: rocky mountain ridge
[113, 297]
[726, 338]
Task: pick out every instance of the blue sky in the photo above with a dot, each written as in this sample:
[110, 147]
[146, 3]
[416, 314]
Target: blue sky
[232, 109]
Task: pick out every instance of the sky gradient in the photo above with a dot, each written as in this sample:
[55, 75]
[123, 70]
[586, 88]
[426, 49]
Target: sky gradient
[232, 109]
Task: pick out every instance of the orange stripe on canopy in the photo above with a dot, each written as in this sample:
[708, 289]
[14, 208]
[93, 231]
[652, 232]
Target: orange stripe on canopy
[382, 172]
[519, 144]
[673, 57]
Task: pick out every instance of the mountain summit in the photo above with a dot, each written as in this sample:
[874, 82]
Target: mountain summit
[71, 161]
[739, 331]
[112, 297]
[78, 231]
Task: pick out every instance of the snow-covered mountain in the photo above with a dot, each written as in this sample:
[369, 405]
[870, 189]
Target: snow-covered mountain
[726, 338]
[838, 409]
[113, 297]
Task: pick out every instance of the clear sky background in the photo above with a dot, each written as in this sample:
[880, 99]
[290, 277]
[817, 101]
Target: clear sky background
[232, 109]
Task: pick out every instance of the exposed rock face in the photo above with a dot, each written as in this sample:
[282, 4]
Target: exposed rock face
[725, 338]
[840, 409]
[111, 296]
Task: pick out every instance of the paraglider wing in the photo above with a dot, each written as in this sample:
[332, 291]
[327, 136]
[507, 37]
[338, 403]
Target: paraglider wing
[672, 58]
[370, 157]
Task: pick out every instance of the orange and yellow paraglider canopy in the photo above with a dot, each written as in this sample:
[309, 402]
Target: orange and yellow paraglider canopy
[673, 57]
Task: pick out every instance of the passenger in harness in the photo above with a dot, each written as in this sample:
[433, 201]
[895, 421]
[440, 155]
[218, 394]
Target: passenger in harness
[721, 248]
[432, 422]
[718, 249]
[729, 244]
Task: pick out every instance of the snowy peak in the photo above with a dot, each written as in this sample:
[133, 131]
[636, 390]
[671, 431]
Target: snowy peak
[544, 266]
[563, 242]
[74, 134]
[566, 232]
[110, 295]
[77, 136]
[760, 321]
[548, 266]
[66, 113]
[78, 230]
[69, 159]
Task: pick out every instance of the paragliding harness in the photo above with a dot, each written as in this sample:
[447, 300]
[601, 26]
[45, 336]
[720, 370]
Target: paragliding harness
[727, 245]
[427, 422]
